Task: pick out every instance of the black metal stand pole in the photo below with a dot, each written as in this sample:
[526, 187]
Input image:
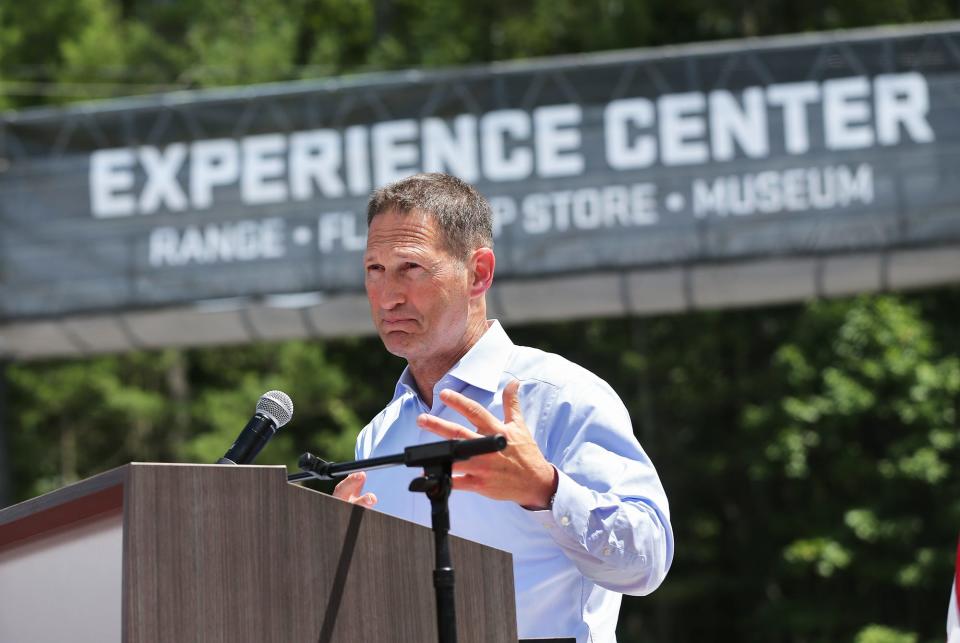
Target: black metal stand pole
[437, 484]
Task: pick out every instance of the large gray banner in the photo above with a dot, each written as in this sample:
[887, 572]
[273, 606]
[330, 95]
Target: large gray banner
[777, 148]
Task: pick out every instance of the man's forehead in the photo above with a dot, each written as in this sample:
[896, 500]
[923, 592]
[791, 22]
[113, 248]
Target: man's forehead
[399, 215]
[394, 226]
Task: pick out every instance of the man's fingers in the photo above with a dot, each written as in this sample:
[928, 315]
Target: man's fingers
[476, 464]
[474, 412]
[511, 402]
[466, 482]
[445, 428]
[350, 487]
[351, 490]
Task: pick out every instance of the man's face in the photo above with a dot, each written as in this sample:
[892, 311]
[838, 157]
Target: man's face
[419, 293]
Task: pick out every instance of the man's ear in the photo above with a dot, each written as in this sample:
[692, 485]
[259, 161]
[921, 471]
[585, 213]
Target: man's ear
[482, 264]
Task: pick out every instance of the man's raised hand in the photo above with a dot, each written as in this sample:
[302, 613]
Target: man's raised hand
[519, 473]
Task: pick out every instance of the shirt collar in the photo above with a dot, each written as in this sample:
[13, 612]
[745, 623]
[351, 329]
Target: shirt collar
[484, 362]
[481, 367]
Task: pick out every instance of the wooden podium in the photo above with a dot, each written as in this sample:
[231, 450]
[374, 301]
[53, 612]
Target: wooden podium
[167, 553]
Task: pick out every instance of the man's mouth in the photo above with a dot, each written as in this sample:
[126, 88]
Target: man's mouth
[396, 323]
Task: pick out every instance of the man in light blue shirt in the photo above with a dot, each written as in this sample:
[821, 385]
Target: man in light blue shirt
[573, 497]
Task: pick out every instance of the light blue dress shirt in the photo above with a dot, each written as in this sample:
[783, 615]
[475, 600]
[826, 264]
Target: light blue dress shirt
[609, 529]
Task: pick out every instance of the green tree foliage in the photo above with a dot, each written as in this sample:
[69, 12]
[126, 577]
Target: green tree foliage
[107, 54]
[64, 50]
[880, 634]
[858, 434]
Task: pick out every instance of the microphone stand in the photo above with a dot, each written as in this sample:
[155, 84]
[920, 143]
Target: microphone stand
[437, 460]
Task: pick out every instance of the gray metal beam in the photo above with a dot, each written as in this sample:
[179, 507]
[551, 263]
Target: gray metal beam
[574, 296]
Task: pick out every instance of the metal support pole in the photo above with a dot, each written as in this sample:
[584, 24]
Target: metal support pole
[437, 484]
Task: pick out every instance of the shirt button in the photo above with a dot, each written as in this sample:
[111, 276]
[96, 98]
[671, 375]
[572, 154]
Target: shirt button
[606, 551]
[565, 521]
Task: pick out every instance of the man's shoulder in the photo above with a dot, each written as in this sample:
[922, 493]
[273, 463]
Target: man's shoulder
[566, 398]
[527, 363]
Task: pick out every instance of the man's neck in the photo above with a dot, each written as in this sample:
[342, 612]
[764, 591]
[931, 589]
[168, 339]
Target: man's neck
[427, 373]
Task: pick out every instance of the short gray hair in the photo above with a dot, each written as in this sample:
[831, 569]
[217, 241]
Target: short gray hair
[462, 214]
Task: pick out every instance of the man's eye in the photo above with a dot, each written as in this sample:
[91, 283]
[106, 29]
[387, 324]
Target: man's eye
[410, 265]
[375, 267]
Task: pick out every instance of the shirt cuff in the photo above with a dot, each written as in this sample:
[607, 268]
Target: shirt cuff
[570, 511]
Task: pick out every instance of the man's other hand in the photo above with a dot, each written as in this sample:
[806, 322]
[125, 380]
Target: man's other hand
[351, 490]
[519, 473]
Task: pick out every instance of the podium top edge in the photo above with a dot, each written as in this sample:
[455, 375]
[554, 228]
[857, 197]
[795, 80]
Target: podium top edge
[117, 476]
[99, 482]
[205, 465]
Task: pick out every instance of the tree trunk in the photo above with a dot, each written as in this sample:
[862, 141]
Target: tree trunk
[6, 493]
[68, 453]
[178, 387]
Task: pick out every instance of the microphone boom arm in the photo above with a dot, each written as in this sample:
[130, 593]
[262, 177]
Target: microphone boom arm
[420, 455]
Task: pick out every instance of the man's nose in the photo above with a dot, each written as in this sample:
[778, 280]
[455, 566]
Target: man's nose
[392, 293]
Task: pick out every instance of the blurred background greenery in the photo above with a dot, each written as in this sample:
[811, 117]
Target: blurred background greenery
[809, 452]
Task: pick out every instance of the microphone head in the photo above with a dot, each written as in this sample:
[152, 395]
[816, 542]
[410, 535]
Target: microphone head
[277, 406]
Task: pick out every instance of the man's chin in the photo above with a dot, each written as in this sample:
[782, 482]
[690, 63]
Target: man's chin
[397, 342]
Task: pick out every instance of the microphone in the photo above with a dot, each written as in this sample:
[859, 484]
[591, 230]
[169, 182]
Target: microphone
[274, 409]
